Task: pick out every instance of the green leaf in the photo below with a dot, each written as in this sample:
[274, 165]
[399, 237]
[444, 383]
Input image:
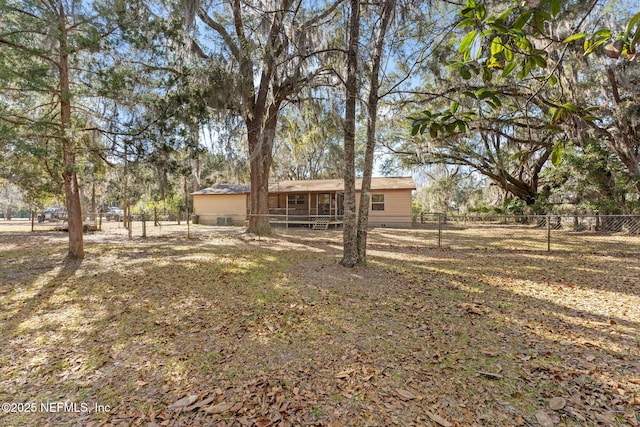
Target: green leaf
[605, 32]
[574, 37]
[571, 107]
[468, 12]
[433, 130]
[556, 154]
[465, 73]
[539, 61]
[555, 7]
[539, 18]
[483, 93]
[467, 22]
[487, 75]
[496, 46]
[481, 12]
[522, 20]
[509, 68]
[634, 41]
[590, 118]
[632, 23]
[508, 54]
[524, 44]
[525, 68]
[493, 63]
[504, 16]
[454, 107]
[499, 28]
[593, 47]
[467, 40]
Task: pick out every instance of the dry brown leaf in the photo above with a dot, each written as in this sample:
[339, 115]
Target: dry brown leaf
[634, 380]
[185, 401]
[543, 418]
[201, 403]
[262, 422]
[491, 375]
[219, 408]
[557, 403]
[344, 374]
[608, 419]
[635, 401]
[236, 407]
[405, 394]
[438, 419]
[244, 421]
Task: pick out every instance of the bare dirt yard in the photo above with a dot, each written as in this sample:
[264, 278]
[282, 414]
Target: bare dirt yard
[223, 329]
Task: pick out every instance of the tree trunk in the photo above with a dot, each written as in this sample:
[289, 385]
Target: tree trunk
[372, 112]
[93, 199]
[350, 234]
[72, 193]
[261, 138]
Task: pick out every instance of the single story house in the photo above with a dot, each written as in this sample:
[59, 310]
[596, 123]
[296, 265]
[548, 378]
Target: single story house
[304, 202]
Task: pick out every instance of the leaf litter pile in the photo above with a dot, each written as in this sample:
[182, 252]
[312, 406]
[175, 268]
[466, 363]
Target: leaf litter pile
[229, 330]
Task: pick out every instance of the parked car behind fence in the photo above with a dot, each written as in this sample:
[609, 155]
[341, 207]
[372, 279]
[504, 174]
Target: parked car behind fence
[115, 214]
[51, 214]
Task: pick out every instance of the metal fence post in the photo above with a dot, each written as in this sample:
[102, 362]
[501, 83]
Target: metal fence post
[439, 230]
[130, 230]
[548, 233]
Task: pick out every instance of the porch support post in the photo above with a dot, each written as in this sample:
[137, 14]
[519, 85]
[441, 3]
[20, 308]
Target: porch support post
[333, 201]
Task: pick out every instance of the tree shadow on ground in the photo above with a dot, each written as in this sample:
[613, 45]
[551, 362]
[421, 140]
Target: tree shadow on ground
[64, 272]
[267, 325]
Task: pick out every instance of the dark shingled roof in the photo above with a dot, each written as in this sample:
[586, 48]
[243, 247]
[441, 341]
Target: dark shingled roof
[331, 185]
[226, 189]
[317, 185]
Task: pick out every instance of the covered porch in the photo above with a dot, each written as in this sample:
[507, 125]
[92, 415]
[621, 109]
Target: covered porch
[311, 209]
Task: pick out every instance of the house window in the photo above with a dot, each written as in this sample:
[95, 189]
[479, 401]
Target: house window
[295, 199]
[377, 202]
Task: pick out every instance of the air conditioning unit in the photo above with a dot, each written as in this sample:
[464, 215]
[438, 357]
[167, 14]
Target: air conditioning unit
[226, 220]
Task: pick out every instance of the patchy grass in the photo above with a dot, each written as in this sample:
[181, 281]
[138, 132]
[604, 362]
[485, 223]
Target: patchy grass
[275, 332]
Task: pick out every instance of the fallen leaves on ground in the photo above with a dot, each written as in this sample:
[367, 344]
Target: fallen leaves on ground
[234, 331]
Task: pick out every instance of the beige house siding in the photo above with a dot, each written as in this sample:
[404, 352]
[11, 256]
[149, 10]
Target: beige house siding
[228, 203]
[213, 209]
[397, 209]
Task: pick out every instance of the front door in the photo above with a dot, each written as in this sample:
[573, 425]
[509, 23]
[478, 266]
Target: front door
[324, 204]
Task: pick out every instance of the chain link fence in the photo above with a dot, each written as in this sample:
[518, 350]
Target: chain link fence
[583, 233]
[605, 234]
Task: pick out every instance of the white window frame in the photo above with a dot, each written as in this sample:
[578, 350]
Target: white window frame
[377, 205]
